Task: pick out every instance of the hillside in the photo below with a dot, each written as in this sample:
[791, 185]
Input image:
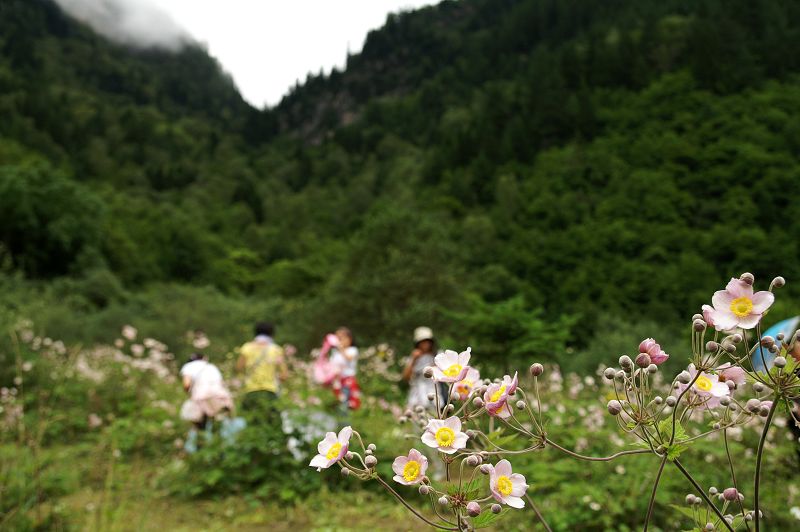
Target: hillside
[479, 162]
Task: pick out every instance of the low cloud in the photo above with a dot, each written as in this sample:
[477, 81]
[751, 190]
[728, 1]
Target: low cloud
[136, 23]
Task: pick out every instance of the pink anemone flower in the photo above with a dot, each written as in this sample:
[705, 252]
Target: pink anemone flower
[732, 373]
[410, 469]
[464, 387]
[507, 487]
[738, 306]
[657, 355]
[445, 435]
[707, 387]
[332, 448]
[497, 394]
[451, 366]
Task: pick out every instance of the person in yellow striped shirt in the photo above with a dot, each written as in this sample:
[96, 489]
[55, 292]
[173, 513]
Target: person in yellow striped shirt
[264, 367]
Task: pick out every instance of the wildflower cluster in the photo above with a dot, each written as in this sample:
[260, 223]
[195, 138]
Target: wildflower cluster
[465, 426]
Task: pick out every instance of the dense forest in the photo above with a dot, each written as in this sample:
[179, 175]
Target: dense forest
[517, 173]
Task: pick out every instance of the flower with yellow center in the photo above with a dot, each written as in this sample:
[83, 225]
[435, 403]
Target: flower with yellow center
[333, 452]
[504, 485]
[411, 471]
[704, 383]
[453, 370]
[742, 306]
[445, 437]
[498, 394]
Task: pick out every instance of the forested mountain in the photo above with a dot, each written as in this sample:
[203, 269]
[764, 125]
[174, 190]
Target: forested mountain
[480, 162]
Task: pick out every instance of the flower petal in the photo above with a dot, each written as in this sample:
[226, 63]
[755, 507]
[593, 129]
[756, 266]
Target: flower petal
[514, 502]
[750, 321]
[453, 422]
[399, 463]
[460, 440]
[429, 439]
[724, 320]
[319, 461]
[738, 288]
[762, 301]
[503, 468]
[324, 445]
[518, 485]
[344, 434]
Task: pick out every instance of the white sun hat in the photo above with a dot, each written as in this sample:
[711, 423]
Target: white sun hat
[422, 333]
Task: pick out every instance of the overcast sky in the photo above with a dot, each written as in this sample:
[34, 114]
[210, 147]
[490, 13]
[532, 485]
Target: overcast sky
[266, 45]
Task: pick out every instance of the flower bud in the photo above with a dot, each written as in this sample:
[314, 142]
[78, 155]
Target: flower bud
[472, 460]
[658, 399]
[671, 401]
[731, 385]
[609, 373]
[428, 372]
[614, 407]
[348, 455]
[431, 396]
[730, 494]
[643, 360]
[478, 402]
[758, 387]
[689, 499]
[368, 452]
[779, 337]
[709, 527]
[473, 509]
[716, 426]
[684, 377]
[752, 405]
[724, 400]
[424, 489]
[712, 346]
[767, 341]
[747, 278]
[763, 410]
[778, 282]
[699, 325]
[536, 369]
[486, 469]
[713, 490]
[345, 472]
[652, 369]
[736, 338]
[496, 508]
[625, 362]
[520, 405]
[370, 461]
[443, 501]
[779, 362]
[620, 375]
[470, 433]
[371, 447]
[697, 317]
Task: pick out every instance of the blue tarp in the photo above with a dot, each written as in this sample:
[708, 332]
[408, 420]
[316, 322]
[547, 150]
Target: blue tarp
[787, 327]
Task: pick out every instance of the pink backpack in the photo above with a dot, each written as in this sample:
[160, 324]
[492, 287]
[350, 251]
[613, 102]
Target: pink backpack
[322, 371]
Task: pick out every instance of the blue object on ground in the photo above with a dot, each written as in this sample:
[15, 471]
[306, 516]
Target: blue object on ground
[230, 427]
[762, 358]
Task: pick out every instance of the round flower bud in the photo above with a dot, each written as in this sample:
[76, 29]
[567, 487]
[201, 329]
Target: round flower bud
[496, 508]
[711, 345]
[520, 405]
[671, 401]
[779, 337]
[348, 455]
[368, 452]
[778, 282]
[779, 362]
[625, 361]
[684, 377]
[443, 501]
[614, 407]
[486, 469]
[370, 461]
[643, 360]
[747, 278]
[609, 373]
[402, 419]
[709, 527]
[449, 409]
[536, 369]
[713, 490]
[763, 410]
[730, 494]
[419, 409]
[690, 499]
[345, 472]
[730, 384]
[752, 405]
[431, 396]
[736, 338]
[424, 489]
[428, 372]
[767, 341]
[620, 375]
[733, 407]
[716, 426]
[472, 460]
[478, 402]
[473, 509]
[758, 387]
[699, 325]
[774, 349]
[371, 447]
[724, 400]
[748, 516]
[697, 317]
[652, 369]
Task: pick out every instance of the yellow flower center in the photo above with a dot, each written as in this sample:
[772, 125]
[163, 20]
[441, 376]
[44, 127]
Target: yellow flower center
[742, 306]
[498, 394]
[703, 383]
[411, 471]
[504, 485]
[333, 452]
[445, 437]
[464, 386]
[453, 370]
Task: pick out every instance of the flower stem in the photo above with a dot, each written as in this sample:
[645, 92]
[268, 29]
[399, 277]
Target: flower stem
[655, 489]
[411, 508]
[702, 494]
[595, 458]
[759, 455]
[733, 475]
[538, 513]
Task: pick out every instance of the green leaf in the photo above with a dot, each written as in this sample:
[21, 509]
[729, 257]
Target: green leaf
[486, 519]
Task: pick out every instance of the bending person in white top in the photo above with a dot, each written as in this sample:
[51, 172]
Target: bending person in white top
[344, 357]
